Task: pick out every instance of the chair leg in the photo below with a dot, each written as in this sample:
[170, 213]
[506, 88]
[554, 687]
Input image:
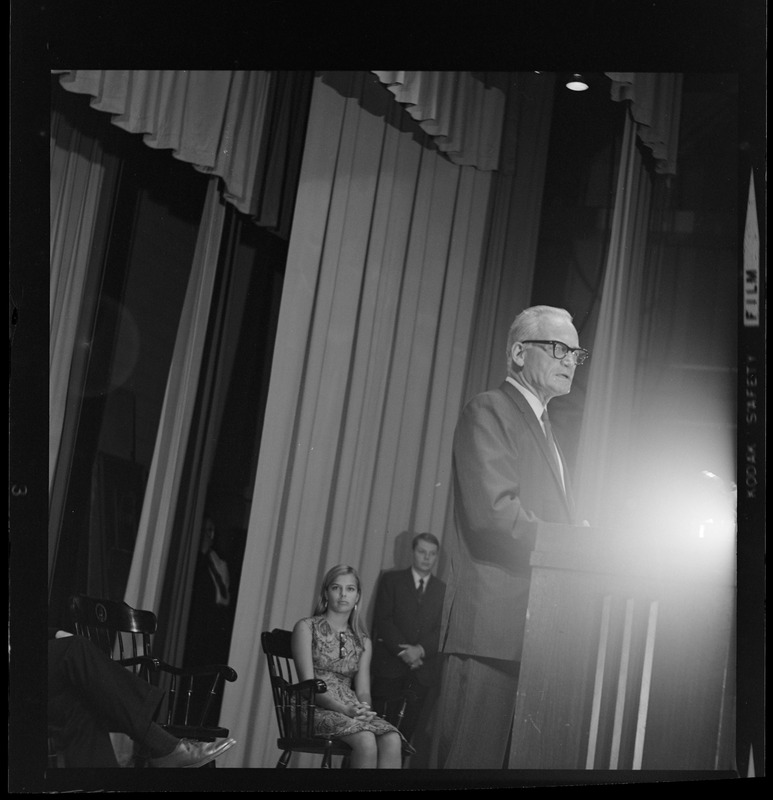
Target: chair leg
[284, 759]
[401, 714]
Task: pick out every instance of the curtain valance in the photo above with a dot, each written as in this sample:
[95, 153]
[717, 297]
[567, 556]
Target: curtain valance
[656, 104]
[219, 121]
[462, 115]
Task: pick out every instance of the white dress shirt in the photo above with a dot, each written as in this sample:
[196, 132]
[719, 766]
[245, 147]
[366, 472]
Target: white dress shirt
[417, 578]
[538, 409]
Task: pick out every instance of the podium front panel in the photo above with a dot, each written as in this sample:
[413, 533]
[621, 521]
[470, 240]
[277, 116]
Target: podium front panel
[628, 655]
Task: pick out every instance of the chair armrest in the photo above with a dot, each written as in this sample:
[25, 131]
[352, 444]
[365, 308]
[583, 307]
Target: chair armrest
[150, 662]
[228, 673]
[312, 685]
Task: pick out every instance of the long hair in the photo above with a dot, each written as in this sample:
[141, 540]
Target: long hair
[355, 619]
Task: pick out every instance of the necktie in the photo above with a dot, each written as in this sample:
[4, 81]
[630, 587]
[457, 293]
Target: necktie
[551, 441]
[420, 588]
[220, 583]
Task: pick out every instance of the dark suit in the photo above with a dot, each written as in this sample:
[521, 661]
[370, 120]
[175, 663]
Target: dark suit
[401, 617]
[505, 483]
[209, 622]
[88, 697]
[209, 628]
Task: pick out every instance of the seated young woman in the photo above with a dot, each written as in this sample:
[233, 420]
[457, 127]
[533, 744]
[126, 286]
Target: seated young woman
[333, 645]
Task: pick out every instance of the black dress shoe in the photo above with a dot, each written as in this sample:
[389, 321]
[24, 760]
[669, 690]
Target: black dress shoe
[193, 754]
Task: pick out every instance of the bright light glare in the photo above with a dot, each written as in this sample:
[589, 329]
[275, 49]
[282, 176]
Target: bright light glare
[577, 84]
[679, 490]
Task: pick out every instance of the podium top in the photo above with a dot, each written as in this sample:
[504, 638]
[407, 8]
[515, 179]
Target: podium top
[637, 553]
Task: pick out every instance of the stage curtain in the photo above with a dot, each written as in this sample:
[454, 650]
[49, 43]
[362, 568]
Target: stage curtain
[620, 386]
[245, 127]
[655, 102]
[151, 549]
[367, 375]
[218, 364]
[77, 174]
[462, 114]
[82, 175]
[608, 418]
[511, 242]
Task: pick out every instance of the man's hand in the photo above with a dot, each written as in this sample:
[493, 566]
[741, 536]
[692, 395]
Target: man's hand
[411, 654]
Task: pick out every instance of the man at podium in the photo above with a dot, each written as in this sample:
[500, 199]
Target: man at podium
[509, 475]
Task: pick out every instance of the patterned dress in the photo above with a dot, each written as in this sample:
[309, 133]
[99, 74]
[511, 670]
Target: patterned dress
[336, 660]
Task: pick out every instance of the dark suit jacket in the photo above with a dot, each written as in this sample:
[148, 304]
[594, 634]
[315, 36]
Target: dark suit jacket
[399, 618]
[505, 483]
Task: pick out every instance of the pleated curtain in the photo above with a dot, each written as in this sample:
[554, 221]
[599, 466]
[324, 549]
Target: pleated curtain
[77, 167]
[229, 306]
[212, 119]
[381, 301]
[462, 114]
[607, 429]
[218, 121]
[655, 102]
[82, 177]
[367, 376]
[240, 126]
[616, 389]
[514, 224]
[152, 545]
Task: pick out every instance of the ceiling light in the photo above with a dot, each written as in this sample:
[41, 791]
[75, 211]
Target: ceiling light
[577, 83]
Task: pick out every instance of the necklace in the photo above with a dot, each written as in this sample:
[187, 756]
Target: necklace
[333, 629]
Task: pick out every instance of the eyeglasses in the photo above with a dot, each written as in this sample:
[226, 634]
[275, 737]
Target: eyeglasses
[561, 350]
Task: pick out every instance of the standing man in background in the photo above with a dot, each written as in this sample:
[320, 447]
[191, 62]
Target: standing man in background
[211, 615]
[406, 630]
[509, 476]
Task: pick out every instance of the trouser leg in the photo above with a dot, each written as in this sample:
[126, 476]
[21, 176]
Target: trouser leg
[90, 695]
[474, 713]
[421, 737]
[389, 694]
[80, 735]
[413, 711]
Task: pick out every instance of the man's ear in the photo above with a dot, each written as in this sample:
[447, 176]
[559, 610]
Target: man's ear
[516, 353]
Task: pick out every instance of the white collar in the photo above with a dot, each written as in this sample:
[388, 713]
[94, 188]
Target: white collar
[531, 398]
[417, 578]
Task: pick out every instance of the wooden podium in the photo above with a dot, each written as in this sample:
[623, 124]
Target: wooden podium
[629, 655]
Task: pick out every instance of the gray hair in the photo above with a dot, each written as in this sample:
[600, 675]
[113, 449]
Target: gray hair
[527, 325]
